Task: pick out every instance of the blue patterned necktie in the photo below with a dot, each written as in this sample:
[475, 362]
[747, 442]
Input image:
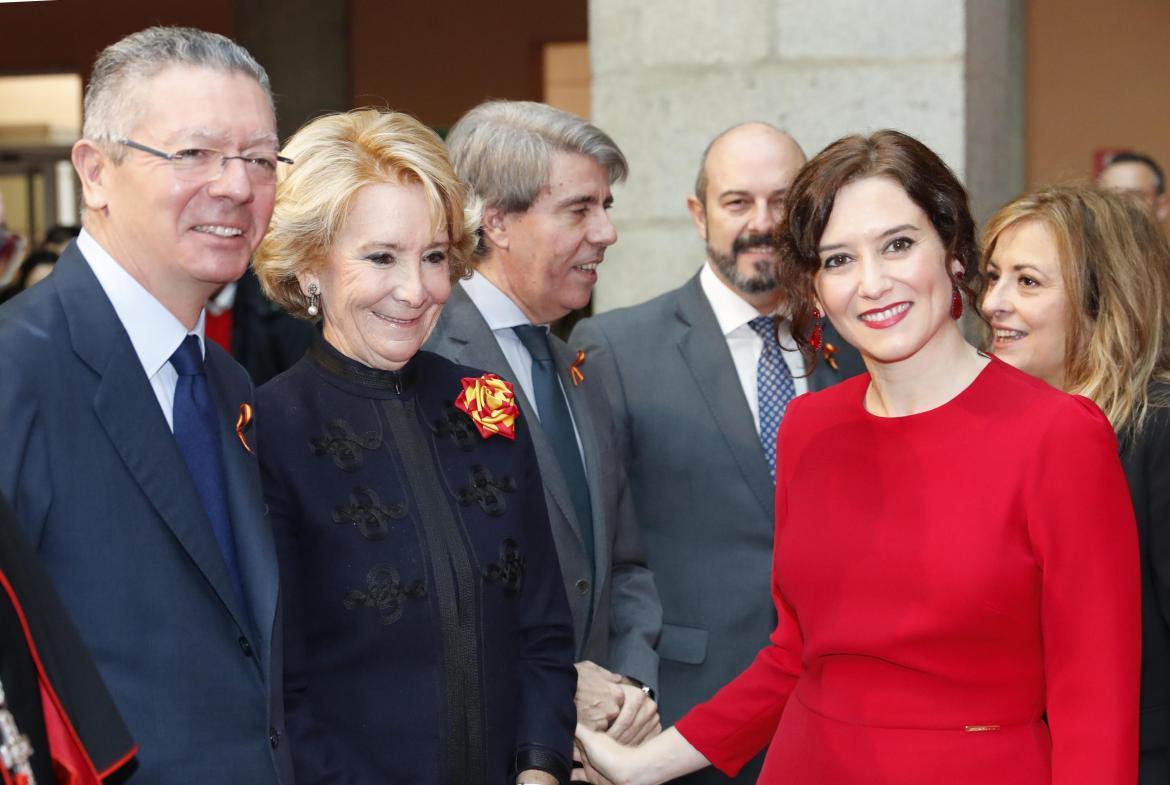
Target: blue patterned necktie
[197, 433]
[774, 386]
[554, 415]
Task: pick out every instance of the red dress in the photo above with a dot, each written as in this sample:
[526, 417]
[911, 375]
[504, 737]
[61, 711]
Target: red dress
[957, 594]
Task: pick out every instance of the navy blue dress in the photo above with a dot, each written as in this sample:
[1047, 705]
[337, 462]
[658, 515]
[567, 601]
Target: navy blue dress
[427, 635]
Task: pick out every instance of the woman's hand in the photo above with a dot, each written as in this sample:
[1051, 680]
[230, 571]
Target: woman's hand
[604, 761]
[638, 718]
[662, 758]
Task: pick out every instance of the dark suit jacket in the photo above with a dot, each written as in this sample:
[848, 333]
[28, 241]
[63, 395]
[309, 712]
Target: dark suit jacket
[616, 614]
[99, 484]
[702, 490]
[1146, 459]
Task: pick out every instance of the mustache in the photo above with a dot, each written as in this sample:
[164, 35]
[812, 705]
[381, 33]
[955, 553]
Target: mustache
[741, 244]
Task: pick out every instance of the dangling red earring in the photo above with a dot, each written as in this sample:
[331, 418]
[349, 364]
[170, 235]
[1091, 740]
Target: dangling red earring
[956, 303]
[818, 333]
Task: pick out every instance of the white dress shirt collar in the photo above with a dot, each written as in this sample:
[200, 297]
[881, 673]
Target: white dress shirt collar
[733, 313]
[731, 310]
[501, 315]
[154, 331]
[497, 308]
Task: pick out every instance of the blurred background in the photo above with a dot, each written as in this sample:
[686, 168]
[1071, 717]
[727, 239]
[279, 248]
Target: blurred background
[1012, 93]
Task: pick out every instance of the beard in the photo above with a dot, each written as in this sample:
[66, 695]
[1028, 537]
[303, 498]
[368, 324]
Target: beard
[765, 276]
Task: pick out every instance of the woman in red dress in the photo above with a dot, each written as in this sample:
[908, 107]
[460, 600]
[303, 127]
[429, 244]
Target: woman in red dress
[956, 565]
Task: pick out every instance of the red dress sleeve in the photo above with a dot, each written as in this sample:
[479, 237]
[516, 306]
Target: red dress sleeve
[739, 721]
[1081, 523]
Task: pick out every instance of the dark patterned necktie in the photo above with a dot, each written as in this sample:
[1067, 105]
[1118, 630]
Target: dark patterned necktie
[554, 415]
[774, 386]
[197, 433]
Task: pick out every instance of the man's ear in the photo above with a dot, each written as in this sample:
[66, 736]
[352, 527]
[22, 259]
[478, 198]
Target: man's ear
[698, 215]
[92, 165]
[1162, 207]
[496, 225]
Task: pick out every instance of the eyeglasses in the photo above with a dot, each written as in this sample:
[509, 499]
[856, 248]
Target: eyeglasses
[201, 166]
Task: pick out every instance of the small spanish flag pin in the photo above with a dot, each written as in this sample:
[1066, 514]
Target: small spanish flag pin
[575, 369]
[242, 423]
[830, 352]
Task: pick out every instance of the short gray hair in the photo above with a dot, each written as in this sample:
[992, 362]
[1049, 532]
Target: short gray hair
[502, 150]
[111, 111]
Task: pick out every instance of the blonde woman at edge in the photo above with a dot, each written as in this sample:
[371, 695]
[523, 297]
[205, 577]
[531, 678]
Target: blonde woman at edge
[1079, 295]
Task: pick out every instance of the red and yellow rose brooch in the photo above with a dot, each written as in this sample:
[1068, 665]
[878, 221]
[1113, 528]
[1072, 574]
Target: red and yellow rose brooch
[491, 404]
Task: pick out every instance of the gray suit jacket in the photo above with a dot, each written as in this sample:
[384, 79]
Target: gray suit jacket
[616, 614]
[702, 490]
[102, 491]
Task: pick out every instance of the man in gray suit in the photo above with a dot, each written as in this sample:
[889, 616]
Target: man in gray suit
[127, 450]
[544, 176]
[698, 379]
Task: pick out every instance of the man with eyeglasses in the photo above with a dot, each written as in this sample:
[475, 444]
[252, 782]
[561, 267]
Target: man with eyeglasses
[128, 449]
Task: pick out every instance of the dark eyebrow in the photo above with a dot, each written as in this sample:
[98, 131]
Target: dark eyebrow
[582, 199]
[886, 233]
[777, 192]
[896, 229]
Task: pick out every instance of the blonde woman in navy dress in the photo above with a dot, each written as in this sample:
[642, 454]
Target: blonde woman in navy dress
[428, 637]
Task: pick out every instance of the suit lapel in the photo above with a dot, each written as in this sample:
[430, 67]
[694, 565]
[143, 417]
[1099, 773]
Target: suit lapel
[127, 407]
[468, 340]
[255, 547]
[587, 432]
[704, 349]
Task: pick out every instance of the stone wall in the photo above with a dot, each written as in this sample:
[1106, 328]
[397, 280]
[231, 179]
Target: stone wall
[670, 74]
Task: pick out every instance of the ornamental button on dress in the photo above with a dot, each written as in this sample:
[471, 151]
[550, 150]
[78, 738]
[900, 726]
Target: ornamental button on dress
[427, 635]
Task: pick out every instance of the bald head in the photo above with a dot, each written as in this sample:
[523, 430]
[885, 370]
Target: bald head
[751, 140]
[738, 203]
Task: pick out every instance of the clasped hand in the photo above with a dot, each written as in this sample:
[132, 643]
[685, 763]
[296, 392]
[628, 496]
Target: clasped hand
[607, 702]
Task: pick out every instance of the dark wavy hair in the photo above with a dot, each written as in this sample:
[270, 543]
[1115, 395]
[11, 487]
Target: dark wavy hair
[928, 182]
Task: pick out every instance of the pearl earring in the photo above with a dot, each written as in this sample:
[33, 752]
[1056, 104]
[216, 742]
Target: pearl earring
[314, 298]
